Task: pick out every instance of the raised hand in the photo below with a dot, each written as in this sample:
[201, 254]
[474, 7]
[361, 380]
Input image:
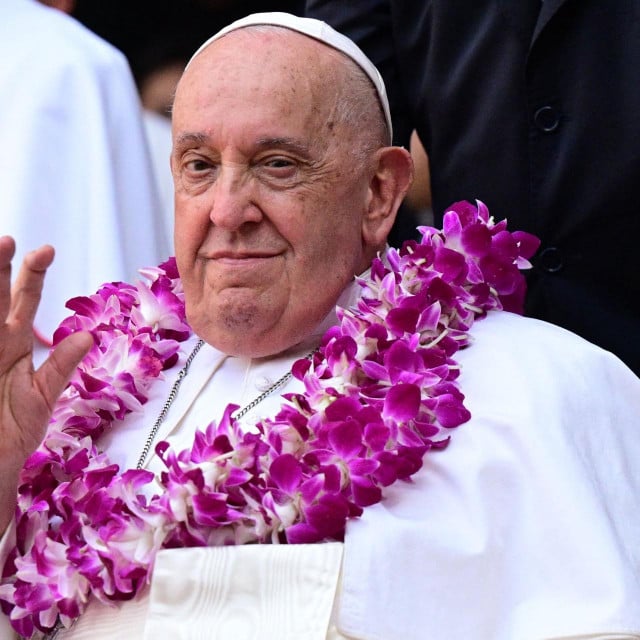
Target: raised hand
[27, 396]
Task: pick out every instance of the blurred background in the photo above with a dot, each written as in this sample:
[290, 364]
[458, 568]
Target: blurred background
[158, 36]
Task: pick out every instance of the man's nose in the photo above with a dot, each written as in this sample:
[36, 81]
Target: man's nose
[234, 199]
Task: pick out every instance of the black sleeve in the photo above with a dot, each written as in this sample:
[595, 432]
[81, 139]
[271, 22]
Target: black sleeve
[369, 24]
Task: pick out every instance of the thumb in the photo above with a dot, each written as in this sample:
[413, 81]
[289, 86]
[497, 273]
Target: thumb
[55, 371]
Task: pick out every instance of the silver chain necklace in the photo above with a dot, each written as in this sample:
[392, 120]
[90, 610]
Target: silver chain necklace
[173, 392]
[182, 374]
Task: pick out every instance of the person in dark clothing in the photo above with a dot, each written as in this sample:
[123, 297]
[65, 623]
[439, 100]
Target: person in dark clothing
[532, 108]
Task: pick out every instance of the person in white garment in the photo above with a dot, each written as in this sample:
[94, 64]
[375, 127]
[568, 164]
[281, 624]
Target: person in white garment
[75, 171]
[525, 527]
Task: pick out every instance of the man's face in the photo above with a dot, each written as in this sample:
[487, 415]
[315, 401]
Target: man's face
[269, 200]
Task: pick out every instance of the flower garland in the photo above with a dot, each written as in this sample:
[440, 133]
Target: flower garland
[379, 393]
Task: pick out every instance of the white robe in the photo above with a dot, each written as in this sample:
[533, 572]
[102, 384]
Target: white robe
[158, 131]
[525, 528]
[75, 170]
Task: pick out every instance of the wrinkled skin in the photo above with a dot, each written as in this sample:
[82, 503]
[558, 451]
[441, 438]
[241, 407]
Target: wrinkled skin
[273, 215]
[26, 396]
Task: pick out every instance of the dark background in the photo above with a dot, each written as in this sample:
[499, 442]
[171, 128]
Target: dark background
[152, 33]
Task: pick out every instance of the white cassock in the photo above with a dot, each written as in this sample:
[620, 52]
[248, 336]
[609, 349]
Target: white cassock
[158, 132]
[75, 170]
[526, 527]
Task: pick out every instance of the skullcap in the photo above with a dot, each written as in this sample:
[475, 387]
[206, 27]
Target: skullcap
[319, 31]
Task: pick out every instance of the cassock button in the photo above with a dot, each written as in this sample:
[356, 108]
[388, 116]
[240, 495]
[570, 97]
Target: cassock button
[546, 119]
[550, 260]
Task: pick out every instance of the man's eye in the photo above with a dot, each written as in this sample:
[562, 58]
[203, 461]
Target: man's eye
[197, 165]
[279, 163]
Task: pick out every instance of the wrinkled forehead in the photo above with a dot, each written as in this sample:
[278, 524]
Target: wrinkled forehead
[321, 33]
[284, 62]
[254, 81]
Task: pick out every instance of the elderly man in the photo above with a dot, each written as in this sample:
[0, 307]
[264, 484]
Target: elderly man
[523, 527]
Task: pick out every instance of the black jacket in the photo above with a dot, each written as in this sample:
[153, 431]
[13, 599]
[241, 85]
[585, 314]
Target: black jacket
[534, 108]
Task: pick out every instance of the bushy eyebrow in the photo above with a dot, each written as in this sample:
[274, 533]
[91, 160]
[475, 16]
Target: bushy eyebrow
[294, 145]
[287, 144]
[190, 140]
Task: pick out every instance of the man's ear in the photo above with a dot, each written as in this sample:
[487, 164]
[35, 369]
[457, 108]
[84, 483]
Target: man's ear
[392, 176]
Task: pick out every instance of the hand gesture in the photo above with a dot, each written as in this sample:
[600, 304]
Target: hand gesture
[27, 396]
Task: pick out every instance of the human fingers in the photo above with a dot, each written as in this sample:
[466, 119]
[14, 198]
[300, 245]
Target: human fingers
[54, 373]
[7, 251]
[27, 289]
